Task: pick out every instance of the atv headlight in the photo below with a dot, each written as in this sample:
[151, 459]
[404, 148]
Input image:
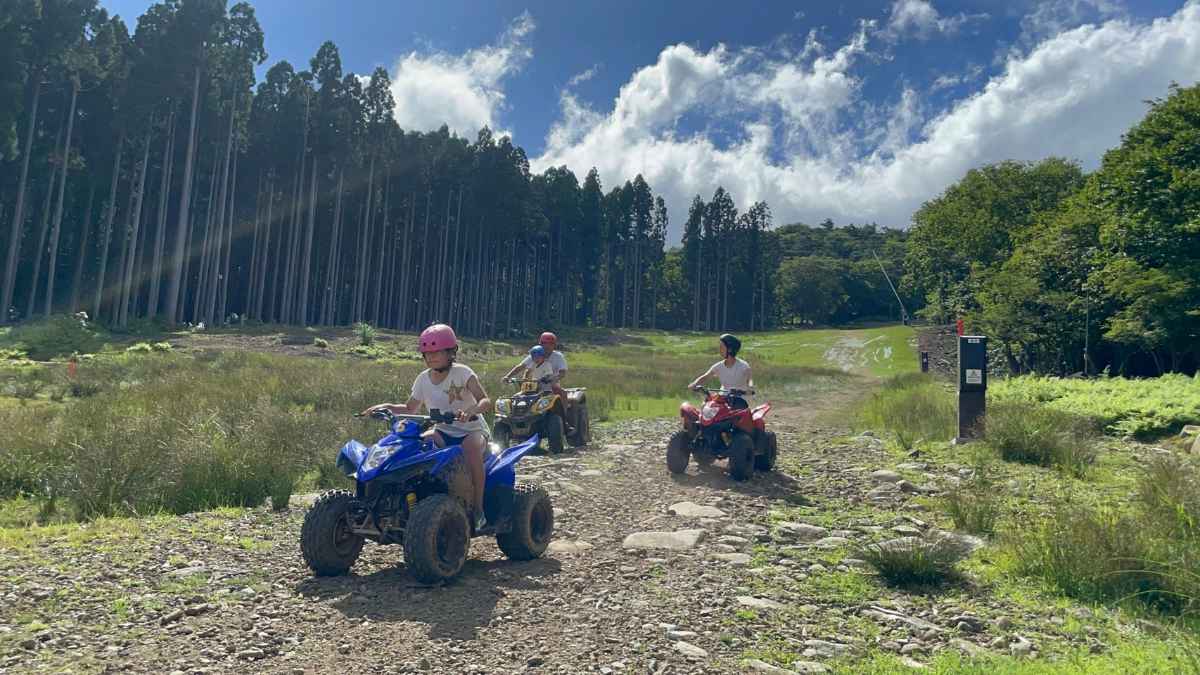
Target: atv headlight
[542, 405]
[379, 455]
[504, 406]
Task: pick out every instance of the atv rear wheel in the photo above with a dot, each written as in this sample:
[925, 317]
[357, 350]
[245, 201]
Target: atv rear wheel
[326, 542]
[765, 460]
[741, 456]
[532, 524]
[679, 451]
[554, 433]
[583, 427]
[436, 539]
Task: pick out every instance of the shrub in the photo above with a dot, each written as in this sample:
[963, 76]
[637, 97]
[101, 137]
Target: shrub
[57, 336]
[909, 561]
[1035, 434]
[139, 348]
[366, 333]
[27, 387]
[162, 346]
[1142, 408]
[321, 343]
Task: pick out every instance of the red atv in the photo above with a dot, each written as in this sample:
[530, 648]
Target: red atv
[723, 429]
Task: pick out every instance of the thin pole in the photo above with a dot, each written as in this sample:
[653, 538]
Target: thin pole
[903, 311]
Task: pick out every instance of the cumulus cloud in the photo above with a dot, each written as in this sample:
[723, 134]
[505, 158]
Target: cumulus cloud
[921, 19]
[801, 148]
[463, 91]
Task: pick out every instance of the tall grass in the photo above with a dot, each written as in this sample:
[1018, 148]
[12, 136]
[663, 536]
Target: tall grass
[179, 434]
[975, 504]
[1035, 434]
[1147, 552]
[914, 407]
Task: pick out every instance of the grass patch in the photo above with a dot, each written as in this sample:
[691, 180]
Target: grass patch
[914, 561]
[1147, 553]
[975, 504]
[914, 407]
[846, 586]
[1127, 656]
[1035, 434]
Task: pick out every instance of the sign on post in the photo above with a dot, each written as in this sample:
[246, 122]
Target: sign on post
[972, 386]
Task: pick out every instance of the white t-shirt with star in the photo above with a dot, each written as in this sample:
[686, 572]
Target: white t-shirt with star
[451, 395]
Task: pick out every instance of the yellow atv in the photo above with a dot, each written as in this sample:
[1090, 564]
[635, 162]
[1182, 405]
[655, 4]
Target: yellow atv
[536, 409]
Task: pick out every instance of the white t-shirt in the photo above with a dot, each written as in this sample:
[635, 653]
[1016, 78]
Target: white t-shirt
[452, 395]
[555, 361]
[538, 372]
[736, 376]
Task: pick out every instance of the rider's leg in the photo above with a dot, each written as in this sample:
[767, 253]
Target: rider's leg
[473, 447]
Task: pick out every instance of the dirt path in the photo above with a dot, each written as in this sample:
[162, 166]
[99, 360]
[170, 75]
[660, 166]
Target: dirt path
[209, 593]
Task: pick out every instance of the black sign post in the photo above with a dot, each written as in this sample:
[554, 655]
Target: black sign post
[972, 386]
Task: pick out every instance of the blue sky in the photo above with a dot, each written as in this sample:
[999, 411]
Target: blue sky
[858, 112]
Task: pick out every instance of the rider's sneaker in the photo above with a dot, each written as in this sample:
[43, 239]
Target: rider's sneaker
[481, 525]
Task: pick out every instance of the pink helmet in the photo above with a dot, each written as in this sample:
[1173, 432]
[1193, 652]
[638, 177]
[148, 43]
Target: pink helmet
[437, 337]
[548, 338]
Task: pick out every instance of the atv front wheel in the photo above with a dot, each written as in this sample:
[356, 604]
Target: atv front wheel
[328, 545]
[554, 433]
[741, 457]
[678, 451]
[502, 436]
[532, 524]
[765, 460]
[436, 539]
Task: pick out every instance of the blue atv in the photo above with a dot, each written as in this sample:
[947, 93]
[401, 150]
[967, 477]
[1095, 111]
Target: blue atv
[412, 493]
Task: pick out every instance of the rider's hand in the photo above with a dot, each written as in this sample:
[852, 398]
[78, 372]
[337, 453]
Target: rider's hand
[463, 416]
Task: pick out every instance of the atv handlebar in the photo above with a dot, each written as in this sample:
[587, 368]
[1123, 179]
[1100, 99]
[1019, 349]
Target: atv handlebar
[701, 389]
[517, 380]
[434, 417]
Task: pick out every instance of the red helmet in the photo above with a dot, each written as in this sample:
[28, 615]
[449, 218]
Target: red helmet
[437, 337]
[548, 339]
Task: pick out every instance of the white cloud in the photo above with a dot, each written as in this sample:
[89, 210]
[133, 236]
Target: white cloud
[1072, 95]
[464, 91]
[1051, 17]
[965, 77]
[584, 76]
[920, 18]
